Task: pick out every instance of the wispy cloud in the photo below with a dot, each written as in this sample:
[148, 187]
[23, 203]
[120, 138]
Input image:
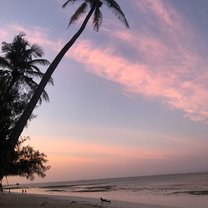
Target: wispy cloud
[70, 154]
[77, 151]
[160, 58]
[162, 62]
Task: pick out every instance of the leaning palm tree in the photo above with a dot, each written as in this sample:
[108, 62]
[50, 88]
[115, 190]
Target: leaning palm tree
[94, 7]
[19, 66]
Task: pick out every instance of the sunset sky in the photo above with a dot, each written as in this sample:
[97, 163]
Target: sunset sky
[125, 102]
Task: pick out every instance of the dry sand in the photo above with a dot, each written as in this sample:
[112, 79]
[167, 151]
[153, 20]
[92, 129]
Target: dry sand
[14, 200]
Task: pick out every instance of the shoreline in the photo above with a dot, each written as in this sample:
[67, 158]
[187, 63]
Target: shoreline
[16, 200]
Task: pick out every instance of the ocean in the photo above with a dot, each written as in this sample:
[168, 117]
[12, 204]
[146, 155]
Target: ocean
[177, 190]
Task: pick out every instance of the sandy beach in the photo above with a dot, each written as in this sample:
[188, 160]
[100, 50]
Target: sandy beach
[15, 200]
[162, 191]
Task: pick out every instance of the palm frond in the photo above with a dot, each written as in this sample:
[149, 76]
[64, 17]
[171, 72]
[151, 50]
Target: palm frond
[3, 72]
[42, 62]
[35, 72]
[31, 73]
[68, 2]
[97, 19]
[20, 36]
[45, 96]
[19, 43]
[113, 5]
[81, 10]
[33, 85]
[4, 62]
[5, 47]
[36, 51]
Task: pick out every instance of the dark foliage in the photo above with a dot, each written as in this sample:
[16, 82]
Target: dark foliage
[27, 162]
[18, 66]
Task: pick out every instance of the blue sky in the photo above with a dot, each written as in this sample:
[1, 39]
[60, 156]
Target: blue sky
[125, 102]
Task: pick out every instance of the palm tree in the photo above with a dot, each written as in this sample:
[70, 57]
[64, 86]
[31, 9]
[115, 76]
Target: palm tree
[20, 65]
[94, 7]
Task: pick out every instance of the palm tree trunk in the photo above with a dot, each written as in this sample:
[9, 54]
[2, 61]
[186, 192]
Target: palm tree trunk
[31, 105]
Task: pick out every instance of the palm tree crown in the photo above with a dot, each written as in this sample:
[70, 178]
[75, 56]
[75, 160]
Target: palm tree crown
[19, 65]
[97, 17]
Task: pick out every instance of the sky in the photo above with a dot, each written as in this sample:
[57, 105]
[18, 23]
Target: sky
[126, 102]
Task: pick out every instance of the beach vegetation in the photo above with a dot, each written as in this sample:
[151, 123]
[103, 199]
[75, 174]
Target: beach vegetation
[27, 162]
[19, 70]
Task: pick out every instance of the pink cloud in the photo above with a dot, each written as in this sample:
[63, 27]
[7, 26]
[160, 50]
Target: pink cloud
[166, 67]
[34, 35]
[71, 156]
[148, 80]
[3, 34]
[76, 150]
[167, 17]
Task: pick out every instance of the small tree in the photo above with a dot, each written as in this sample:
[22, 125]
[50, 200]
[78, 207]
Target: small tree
[27, 162]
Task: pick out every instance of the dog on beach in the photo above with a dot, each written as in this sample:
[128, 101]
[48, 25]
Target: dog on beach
[105, 200]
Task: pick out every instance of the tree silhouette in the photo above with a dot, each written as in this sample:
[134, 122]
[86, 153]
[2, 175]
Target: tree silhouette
[19, 66]
[27, 162]
[94, 8]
